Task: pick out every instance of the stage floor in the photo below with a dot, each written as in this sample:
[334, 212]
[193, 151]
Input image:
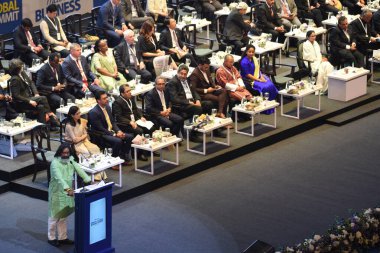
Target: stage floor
[135, 183]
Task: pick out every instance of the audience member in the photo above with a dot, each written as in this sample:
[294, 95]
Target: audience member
[78, 74]
[148, 45]
[343, 45]
[52, 83]
[103, 65]
[171, 43]
[134, 13]
[129, 59]
[309, 9]
[158, 107]
[6, 111]
[255, 81]
[26, 97]
[158, 9]
[205, 86]
[236, 28]
[319, 64]
[354, 6]
[287, 11]
[229, 78]
[111, 20]
[101, 120]
[269, 21]
[52, 31]
[209, 7]
[61, 193]
[27, 45]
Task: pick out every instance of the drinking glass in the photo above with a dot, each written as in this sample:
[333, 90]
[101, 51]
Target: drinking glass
[146, 136]
[34, 63]
[69, 102]
[167, 129]
[138, 78]
[105, 152]
[228, 49]
[109, 151]
[243, 102]
[179, 19]
[213, 112]
[188, 61]
[213, 57]
[194, 15]
[266, 97]
[269, 37]
[2, 72]
[62, 103]
[195, 117]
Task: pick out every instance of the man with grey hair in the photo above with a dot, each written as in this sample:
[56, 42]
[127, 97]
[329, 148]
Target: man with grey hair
[158, 107]
[129, 59]
[235, 27]
[362, 32]
[78, 74]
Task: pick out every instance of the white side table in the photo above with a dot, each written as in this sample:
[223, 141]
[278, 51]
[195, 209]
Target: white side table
[265, 106]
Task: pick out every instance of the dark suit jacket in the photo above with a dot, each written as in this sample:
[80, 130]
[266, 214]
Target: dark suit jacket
[360, 35]
[338, 40]
[122, 113]
[235, 26]
[21, 42]
[376, 22]
[3, 104]
[46, 79]
[177, 93]
[153, 105]
[199, 82]
[265, 19]
[98, 121]
[302, 5]
[72, 72]
[106, 16]
[121, 53]
[20, 89]
[126, 6]
[165, 42]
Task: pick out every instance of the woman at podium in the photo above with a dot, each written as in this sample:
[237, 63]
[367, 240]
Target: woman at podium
[61, 201]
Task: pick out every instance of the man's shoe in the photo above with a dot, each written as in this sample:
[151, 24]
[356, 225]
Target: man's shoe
[142, 157]
[66, 242]
[116, 167]
[127, 163]
[54, 243]
[53, 121]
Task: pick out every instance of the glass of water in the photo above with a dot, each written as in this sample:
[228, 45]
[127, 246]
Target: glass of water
[138, 79]
[228, 49]
[188, 61]
[194, 15]
[195, 117]
[213, 112]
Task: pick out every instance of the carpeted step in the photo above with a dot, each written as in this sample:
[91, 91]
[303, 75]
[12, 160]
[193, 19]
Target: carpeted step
[355, 114]
[4, 186]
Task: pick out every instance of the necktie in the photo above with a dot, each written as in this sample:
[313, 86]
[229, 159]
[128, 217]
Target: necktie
[271, 11]
[84, 78]
[107, 119]
[189, 96]
[162, 98]
[285, 8]
[176, 44]
[30, 39]
[133, 52]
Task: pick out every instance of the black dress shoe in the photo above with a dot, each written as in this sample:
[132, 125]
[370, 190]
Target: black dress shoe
[53, 121]
[142, 157]
[66, 242]
[54, 243]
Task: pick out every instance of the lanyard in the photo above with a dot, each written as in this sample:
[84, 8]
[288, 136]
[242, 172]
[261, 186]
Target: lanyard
[54, 25]
[129, 103]
[364, 27]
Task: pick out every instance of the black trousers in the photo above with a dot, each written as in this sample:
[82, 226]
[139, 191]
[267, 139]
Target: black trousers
[120, 147]
[174, 122]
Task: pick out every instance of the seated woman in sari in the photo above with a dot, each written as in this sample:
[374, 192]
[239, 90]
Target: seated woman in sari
[103, 64]
[312, 53]
[76, 133]
[254, 80]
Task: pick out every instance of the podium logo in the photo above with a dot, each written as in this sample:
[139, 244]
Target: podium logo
[96, 221]
[9, 11]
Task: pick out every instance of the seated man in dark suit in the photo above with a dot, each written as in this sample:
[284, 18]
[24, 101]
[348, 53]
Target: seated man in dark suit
[78, 74]
[158, 107]
[134, 13]
[363, 33]
[309, 9]
[129, 59]
[52, 83]
[343, 44]
[270, 22]
[6, 111]
[236, 28]
[354, 6]
[376, 22]
[185, 100]
[205, 86]
[101, 120]
[26, 98]
[111, 20]
[27, 45]
[171, 43]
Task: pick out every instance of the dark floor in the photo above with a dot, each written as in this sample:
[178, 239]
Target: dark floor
[281, 194]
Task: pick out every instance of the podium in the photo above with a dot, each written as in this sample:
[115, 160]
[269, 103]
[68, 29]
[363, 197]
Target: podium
[93, 219]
